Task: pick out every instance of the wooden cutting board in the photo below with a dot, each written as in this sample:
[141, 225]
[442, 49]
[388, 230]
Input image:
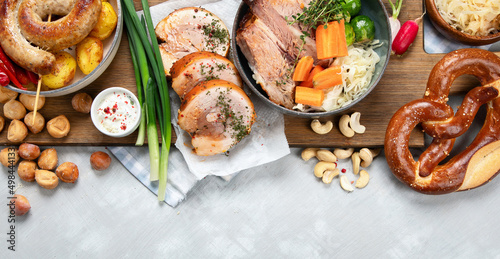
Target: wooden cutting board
[404, 80]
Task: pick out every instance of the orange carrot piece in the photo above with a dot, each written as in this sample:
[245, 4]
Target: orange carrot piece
[309, 81]
[309, 96]
[342, 40]
[303, 68]
[327, 78]
[327, 40]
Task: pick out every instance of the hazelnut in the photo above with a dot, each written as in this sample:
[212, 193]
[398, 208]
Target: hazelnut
[46, 179]
[100, 160]
[29, 151]
[48, 159]
[26, 170]
[21, 204]
[67, 172]
[82, 102]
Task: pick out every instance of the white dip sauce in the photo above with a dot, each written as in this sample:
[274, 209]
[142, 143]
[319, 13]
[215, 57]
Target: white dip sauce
[117, 112]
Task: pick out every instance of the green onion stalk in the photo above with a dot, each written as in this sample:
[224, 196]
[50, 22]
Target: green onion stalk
[142, 126]
[150, 63]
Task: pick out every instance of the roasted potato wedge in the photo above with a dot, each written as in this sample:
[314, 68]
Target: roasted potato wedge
[106, 23]
[63, 73]
[89, 53]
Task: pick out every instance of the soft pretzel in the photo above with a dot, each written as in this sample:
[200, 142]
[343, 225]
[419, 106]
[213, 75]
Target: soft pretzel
[480, 161]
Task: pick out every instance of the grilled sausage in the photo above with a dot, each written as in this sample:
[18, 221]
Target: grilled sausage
[25, 38]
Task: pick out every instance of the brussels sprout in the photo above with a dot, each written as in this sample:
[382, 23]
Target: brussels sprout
[349, 33]
[352, 6]
[364, 28]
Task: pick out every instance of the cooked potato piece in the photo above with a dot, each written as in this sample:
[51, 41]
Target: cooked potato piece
[2, 123]
[48, 159]
[106, 23]
[17, 131]
[7, 94]
[46, 179]
[29, 151]
[29, 101]
[89, 53]
[8, 155]
[63, 73]
[26, 170]
[14, 110]
[37, 125]
[82, 102]
[67, 172]
[58, 127]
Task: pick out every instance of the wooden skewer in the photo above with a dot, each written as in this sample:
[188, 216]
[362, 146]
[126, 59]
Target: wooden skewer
[37, 96]
[39, 85]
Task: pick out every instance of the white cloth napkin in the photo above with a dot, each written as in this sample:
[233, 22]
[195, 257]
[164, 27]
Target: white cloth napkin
[267, 141]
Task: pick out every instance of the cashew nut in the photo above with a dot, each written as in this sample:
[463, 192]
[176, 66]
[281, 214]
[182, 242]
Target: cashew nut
[321, 167]
[319, 128]
[355, 124]
[375, 152]
[363, 179]
[366, 156]
[355, 162]
[344, 126]
[329, 175]
[326, 155]
[308, 153]
[345, 184]
[343, 153]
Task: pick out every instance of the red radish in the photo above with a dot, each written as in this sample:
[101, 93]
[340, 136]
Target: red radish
[405, 36]
[393, 20]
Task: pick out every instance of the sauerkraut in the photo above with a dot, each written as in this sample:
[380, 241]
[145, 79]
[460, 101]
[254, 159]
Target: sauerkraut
[474, 17]
[357, 71]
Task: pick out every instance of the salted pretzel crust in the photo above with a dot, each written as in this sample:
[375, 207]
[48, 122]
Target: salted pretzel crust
[476, 164]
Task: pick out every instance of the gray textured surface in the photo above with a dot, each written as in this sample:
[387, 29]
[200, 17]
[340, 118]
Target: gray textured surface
[275, 210]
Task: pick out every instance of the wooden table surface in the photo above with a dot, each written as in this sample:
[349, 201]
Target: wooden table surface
[404, 80]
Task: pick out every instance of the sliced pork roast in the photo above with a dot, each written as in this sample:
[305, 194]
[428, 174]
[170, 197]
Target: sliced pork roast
[189, 30]
[217, 114]
[269, 61]
[193, 68]
[273, 13]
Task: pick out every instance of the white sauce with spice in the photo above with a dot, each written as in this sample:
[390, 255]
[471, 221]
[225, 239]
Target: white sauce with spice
[117, 112]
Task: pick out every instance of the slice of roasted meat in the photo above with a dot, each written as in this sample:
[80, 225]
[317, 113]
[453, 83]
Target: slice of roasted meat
[271, 64]
[188, 71]
[217, 114]
[189, 30]
[273, 13]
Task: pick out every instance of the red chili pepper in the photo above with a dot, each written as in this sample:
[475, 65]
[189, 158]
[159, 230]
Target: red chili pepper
[6, 61]
[21, 75]
[12, 77]
[4, 79]
[32, 77]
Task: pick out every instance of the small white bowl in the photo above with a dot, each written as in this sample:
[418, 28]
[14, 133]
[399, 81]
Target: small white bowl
[98, 100]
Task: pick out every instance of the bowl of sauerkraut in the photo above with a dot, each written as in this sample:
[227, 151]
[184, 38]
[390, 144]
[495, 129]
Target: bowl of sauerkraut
[473, 23]
[265, 58]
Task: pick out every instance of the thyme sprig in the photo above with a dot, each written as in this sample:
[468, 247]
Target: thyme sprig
[318, 12]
